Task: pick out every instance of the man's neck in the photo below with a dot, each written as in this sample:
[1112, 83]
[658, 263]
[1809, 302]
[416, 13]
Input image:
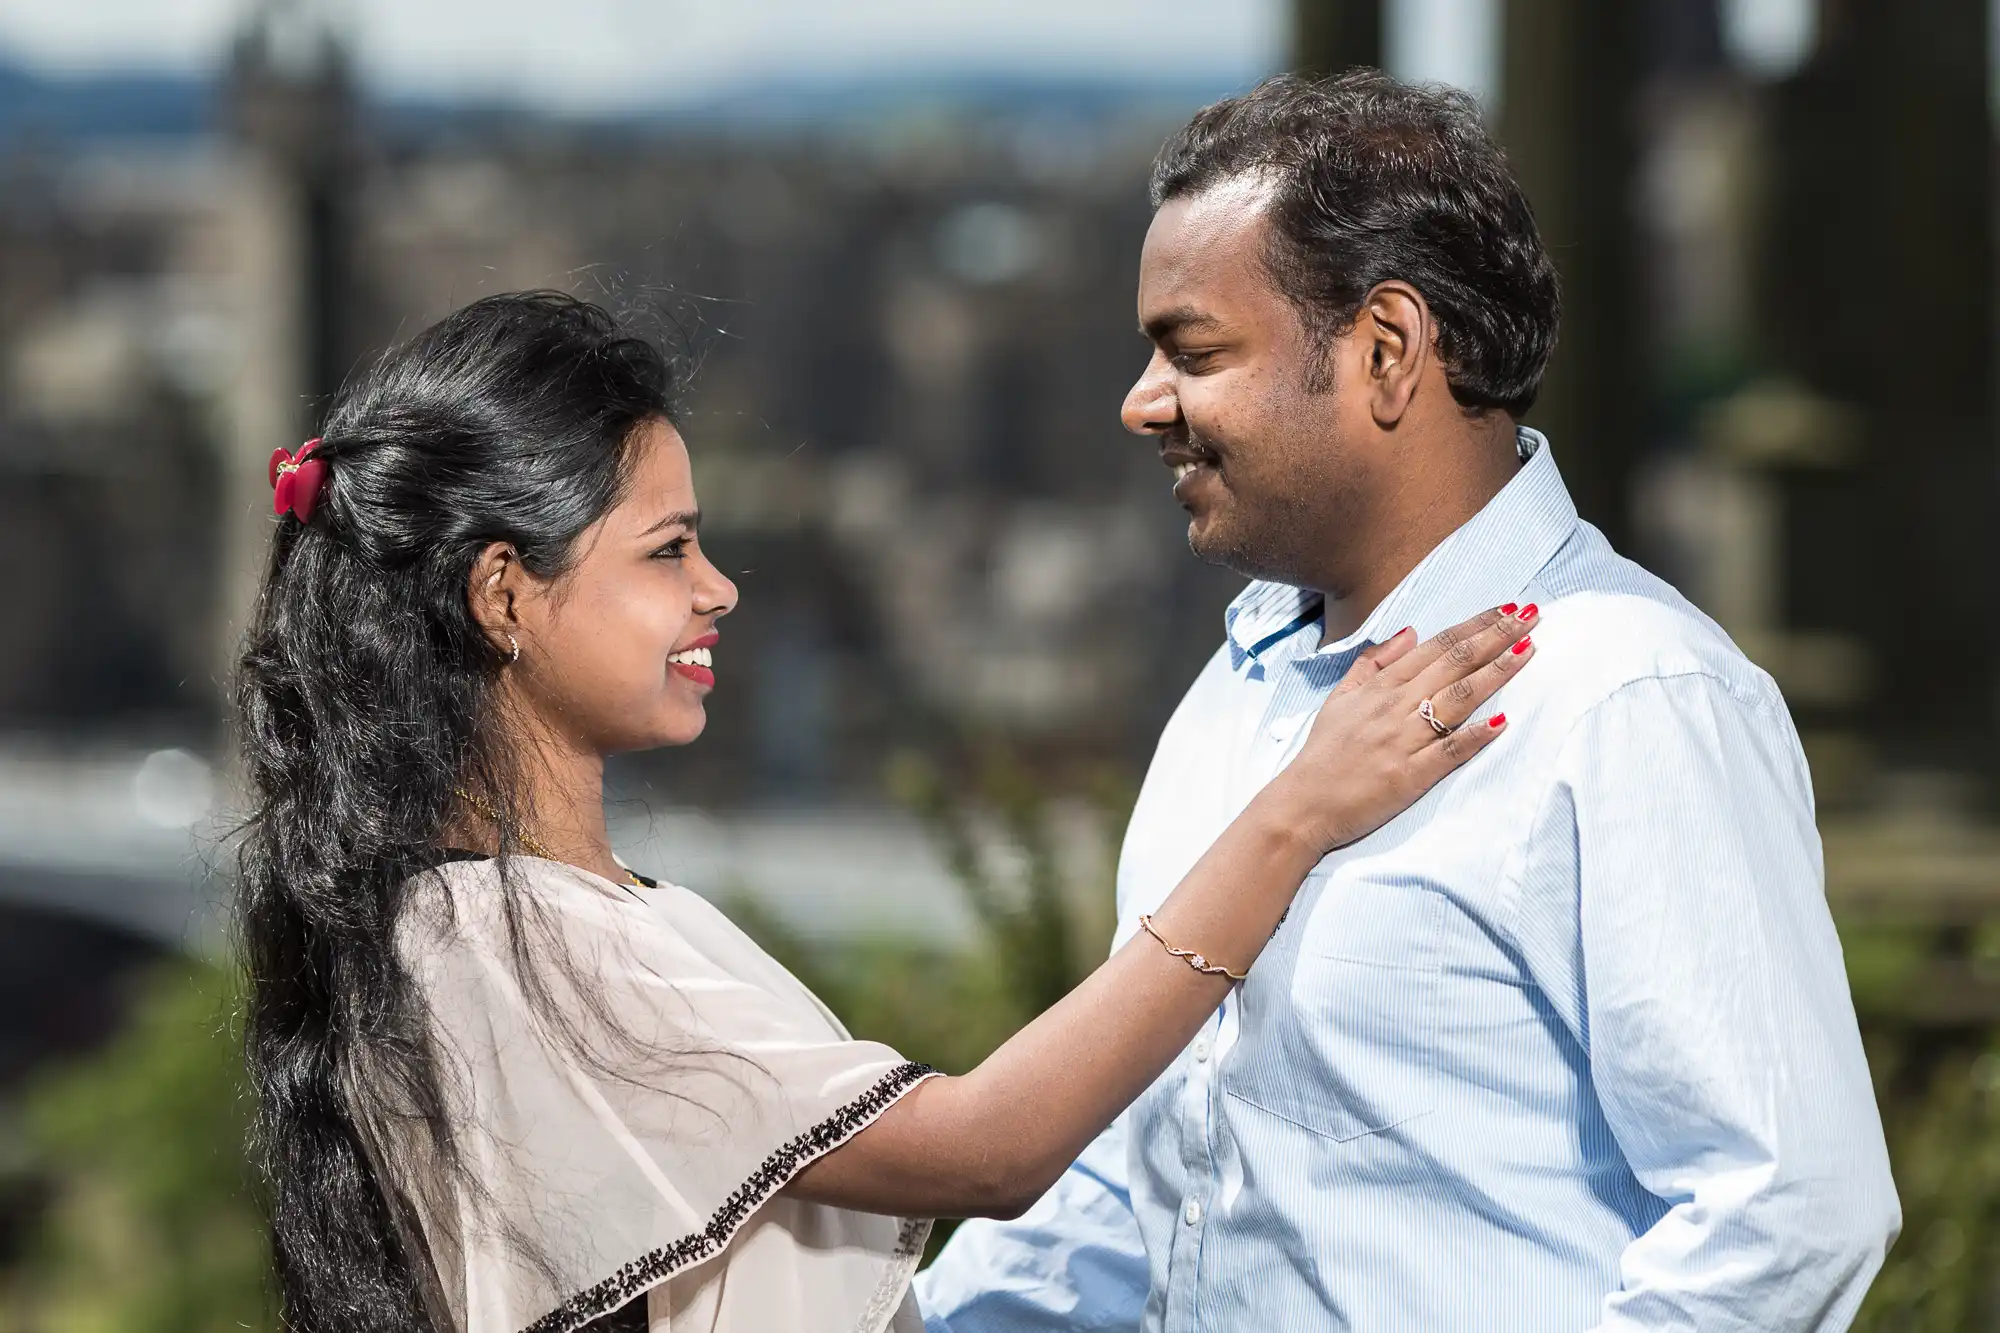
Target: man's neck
[1415, 514]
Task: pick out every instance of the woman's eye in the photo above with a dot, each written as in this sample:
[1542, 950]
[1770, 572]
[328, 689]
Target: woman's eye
[673, 550]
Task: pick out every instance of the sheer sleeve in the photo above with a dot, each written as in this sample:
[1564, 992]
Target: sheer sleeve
[632, 1081]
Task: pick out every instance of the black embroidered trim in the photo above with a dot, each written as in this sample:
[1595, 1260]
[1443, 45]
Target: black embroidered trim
[911, 1236]
[649, 1270]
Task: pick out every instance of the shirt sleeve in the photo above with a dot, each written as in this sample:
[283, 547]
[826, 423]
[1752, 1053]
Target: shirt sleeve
[1714, 1006]
[1073, 1263]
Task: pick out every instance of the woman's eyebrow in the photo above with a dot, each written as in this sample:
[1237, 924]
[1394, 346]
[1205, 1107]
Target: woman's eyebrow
[686, 518]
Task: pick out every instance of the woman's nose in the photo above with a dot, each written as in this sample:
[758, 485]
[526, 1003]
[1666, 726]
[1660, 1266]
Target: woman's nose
[715, 594]
[1150, 405]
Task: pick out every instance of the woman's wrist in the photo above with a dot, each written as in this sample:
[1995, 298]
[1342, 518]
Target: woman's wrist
[1288, 827]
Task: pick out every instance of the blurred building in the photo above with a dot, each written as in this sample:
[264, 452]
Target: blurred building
[911, 353]
[912, 336]
[109, 351]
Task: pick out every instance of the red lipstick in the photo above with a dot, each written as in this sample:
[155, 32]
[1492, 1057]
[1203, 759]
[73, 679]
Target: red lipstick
[697, 672]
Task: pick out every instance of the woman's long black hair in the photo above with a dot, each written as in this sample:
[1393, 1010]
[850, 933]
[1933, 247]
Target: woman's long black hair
[366, 702]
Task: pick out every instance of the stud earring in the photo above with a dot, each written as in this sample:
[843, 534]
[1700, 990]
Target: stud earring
[516, 645]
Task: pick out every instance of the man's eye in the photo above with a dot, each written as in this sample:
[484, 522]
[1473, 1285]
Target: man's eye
[1191, 363]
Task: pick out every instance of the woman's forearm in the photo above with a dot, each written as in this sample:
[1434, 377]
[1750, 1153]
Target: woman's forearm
[991, 1142]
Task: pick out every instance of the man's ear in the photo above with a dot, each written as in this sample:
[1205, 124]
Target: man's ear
[1396, 331]
[491, 591]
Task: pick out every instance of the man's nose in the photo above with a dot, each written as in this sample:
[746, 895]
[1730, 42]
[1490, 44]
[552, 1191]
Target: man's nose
[1151, 407]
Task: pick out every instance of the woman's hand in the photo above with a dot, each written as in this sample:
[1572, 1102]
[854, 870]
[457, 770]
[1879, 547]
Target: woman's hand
[991, 1142]
[1371, 753]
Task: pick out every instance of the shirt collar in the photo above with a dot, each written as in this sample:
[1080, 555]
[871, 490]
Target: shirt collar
[1491, 558]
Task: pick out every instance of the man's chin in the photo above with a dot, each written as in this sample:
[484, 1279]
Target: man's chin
[1217, 544]
[1209, 542]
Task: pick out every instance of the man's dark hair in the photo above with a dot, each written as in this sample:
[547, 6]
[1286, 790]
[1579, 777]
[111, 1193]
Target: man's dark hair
[1372, 180]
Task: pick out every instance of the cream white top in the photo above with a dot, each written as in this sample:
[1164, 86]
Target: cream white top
[638, 1147]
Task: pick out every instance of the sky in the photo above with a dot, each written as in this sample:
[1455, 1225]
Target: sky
[590, 56]
[596, 55]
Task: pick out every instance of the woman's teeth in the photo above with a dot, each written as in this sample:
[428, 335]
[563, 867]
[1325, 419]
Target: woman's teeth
[700, 657]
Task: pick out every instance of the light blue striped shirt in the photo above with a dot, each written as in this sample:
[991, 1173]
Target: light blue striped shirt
[1566, 1046]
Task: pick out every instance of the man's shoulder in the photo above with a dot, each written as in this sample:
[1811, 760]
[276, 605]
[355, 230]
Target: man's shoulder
[1609, 624]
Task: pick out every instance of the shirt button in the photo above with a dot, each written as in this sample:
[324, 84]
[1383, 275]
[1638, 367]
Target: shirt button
[1192, 1212]
[1201, 1051]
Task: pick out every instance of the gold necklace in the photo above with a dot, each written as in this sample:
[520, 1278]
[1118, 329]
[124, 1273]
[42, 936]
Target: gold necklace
[525, 838]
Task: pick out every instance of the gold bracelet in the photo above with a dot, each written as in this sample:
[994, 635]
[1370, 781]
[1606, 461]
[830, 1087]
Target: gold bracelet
[1193, 959]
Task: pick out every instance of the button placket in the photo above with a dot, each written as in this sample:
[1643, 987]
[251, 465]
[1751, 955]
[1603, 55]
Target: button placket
[1198, 1111]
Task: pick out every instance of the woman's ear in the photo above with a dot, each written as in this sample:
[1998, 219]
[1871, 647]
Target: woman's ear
[491, 591]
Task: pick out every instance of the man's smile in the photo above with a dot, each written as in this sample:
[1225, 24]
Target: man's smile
[1189, 461]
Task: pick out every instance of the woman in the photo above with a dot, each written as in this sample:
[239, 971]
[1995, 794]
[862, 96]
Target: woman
[504, 1082]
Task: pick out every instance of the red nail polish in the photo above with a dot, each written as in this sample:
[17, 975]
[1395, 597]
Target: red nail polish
[1528, 611]
[1509, 609]
[1521, 647]
[1498, 719]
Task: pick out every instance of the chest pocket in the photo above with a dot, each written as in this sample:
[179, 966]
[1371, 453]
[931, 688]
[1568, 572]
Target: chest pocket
[1339, 1017]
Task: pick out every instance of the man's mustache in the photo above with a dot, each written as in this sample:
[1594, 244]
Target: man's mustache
[1186, 439]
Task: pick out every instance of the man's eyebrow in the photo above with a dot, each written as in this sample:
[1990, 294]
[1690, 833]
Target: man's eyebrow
[1180, 319]
[686, 518]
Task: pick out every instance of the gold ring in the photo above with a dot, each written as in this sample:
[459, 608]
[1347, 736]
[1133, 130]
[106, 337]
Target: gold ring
[1429, 714]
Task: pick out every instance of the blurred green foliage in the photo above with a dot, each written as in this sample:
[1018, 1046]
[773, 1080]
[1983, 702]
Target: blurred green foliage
[1944, 1138]
[1939, 1090]
[149, 1225]
[1046, 921]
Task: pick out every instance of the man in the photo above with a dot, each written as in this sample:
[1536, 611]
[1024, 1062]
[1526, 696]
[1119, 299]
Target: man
[1568, 1045]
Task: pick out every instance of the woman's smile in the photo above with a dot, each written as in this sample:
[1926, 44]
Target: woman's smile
[696, 662]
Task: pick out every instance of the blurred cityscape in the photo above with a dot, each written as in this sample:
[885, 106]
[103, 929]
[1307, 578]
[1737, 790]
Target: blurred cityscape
[912, 327]
[910, 308]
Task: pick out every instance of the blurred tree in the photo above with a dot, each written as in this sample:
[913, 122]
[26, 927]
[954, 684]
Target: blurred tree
[1881, 217]
[1568, 68]
[1936, 1065]
[1044, 904]
[1943, 1276]
[999, 832]
[150, 1224]
[1332, 35]
[946, 1007]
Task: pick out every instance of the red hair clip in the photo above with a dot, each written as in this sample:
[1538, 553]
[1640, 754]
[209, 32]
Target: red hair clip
[296, 480]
